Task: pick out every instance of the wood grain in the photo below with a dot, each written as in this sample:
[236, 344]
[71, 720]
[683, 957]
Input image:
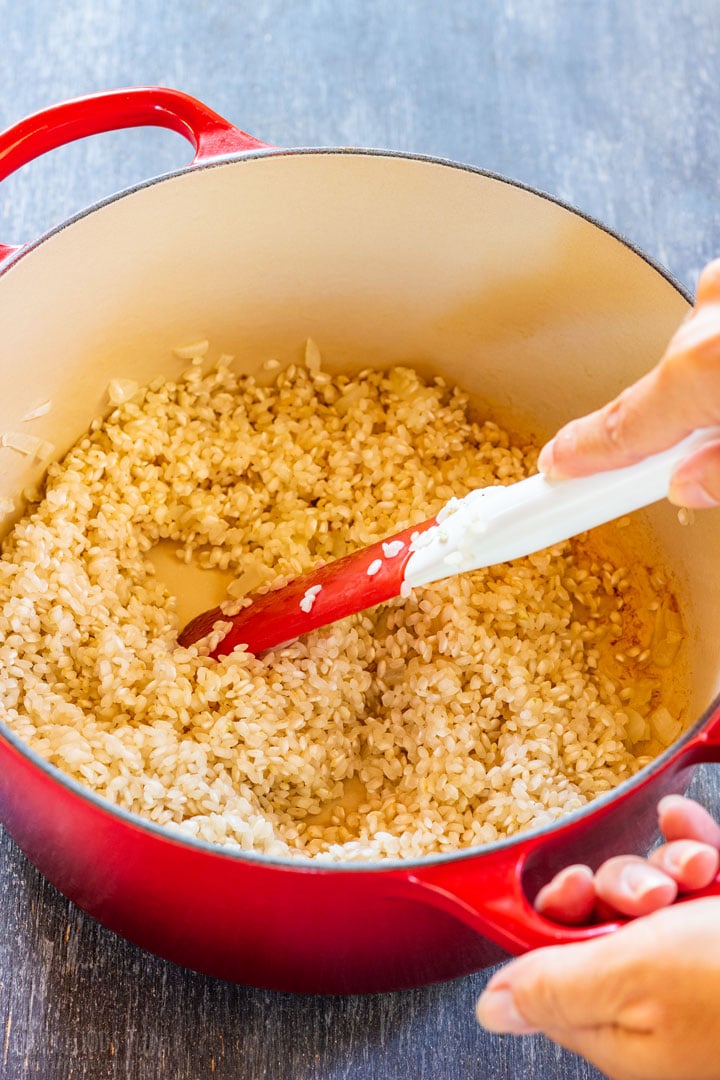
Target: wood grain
[612, 107]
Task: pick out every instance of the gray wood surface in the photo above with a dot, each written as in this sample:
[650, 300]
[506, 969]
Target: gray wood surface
[612, 105]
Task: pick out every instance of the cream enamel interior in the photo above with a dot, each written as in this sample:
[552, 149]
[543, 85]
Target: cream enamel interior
[381, 259]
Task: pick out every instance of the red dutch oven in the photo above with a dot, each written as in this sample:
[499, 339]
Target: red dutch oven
[382, 258]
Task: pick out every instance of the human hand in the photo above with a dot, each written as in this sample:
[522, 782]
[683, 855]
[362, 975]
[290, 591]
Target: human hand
[629, 885]
[681, 394]
[641, 1003]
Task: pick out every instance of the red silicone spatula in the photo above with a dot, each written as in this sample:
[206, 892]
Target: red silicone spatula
[358, 581]
[488, 526]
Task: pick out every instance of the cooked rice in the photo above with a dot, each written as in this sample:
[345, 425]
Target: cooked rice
[473, 709]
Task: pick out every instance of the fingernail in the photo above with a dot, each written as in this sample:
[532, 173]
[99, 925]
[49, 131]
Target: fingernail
[668, 801]
[691, 851]
[638, 880]
[545, 458]
[566, 442]
[496, 1011]
[692, 494]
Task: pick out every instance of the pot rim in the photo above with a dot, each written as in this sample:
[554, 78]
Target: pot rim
[304, 863]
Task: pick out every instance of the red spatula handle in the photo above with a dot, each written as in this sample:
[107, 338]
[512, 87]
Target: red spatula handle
[346, 587]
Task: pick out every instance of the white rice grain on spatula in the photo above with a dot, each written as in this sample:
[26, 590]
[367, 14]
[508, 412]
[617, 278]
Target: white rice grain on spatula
[391, 548]
[306, 604]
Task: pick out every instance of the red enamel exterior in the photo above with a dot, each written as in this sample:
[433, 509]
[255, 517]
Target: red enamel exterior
[309, 929]
[279, 923]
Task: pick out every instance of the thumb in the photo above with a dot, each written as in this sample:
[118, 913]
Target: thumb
[641, 1002]
[680, 394]
[567, 993]
[563, 987]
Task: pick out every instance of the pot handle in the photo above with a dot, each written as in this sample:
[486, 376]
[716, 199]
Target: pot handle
[492, 901]
[487, 895]
[210, 135]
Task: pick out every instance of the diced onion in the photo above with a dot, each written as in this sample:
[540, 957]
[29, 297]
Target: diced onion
[637, 728]
[667, 636]
[313, 357]
[665, 726]
[40, 410]
[121, 390]
[30, 445]
[253, 574]
[353, 393]
[642, 693]
[193, 351]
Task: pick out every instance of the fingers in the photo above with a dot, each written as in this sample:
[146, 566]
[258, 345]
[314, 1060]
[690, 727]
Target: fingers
[631, 886]
[560, 987]
[570, 993]
[634, 887]
[570, 897]
[531, 994]
[684, 819]
[688, 862]
[496, 1011]
[680, 394]
[640, 1003]
[624, 431]
[626, 885]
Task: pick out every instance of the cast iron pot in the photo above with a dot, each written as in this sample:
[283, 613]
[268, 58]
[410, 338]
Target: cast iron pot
[383, 258]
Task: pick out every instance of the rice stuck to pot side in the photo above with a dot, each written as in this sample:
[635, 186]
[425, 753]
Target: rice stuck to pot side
[478, 707]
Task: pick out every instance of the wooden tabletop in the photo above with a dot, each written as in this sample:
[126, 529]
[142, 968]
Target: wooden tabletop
[612, 106]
